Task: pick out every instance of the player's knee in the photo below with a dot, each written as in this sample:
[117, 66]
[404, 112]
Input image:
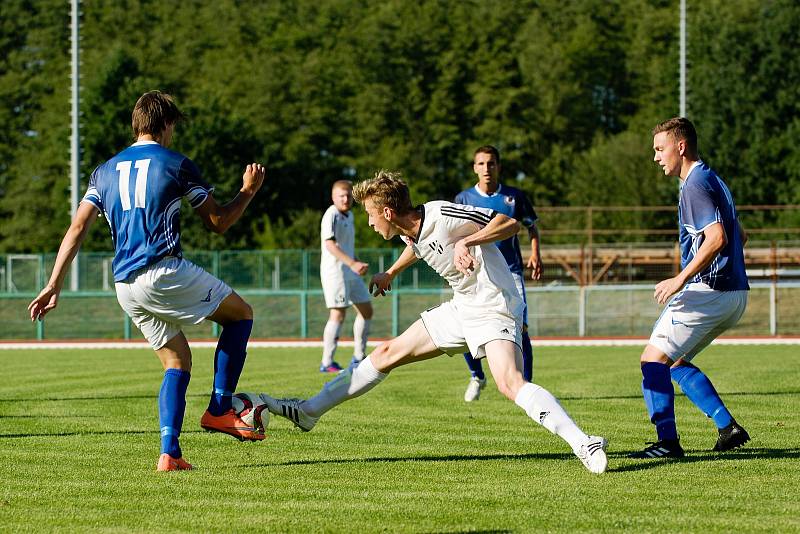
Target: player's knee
[246, 312]
[366, 313]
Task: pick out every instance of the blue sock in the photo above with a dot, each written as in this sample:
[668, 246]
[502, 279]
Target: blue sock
[171, 407]
[699, 389]
[475, 366]
[527, 357]
[659, 397]
[228, 364]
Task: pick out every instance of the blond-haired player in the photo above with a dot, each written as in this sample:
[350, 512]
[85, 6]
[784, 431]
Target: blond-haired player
[457, 241]
[340, 272]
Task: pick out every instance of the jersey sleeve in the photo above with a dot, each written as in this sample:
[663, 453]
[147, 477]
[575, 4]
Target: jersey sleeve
[698, 208]
[460, 198]
[328, 226]
[463, 214]
[195, 189]
[92, 196]
[524, 211]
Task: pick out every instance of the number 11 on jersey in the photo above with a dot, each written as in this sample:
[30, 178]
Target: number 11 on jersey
[124, 168]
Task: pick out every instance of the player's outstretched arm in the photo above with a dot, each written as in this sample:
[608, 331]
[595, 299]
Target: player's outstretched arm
[382, 282]
[48, 297]
[219, 218]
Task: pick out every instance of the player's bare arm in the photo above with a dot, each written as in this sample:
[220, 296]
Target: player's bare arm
[48, 297]
[382, 282]
[535, 260]
[219, 218]
[499, 228]
[358, 267]
[714, 240]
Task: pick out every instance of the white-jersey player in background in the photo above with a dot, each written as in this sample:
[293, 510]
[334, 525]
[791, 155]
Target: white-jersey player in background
[340, 273]
[483, 317]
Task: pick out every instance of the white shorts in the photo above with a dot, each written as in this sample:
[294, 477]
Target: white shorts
[342, 293]
[458, 327]
[694, 318]
[171, 293]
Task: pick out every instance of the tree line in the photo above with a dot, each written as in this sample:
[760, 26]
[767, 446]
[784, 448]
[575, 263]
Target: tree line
[324, 90]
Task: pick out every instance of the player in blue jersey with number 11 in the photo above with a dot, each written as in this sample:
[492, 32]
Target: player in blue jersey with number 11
[510, 201]
[139, 192]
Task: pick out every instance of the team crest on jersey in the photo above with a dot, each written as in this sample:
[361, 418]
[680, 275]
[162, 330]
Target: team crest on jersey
[509, 200]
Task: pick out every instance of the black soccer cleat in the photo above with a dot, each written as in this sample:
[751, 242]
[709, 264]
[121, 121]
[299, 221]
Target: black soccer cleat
[666, 448]
[731, 437]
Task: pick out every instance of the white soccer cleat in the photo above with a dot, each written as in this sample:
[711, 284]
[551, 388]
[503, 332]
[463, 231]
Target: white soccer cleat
[474, 388]
[291, 410]
[593, 454]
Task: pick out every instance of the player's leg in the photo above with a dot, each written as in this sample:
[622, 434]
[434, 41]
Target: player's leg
[698, 387]
[415, 344]
[236, 318]
[541, 406]
[477, 380]
[527, 349]
[361, 327]
[176, 358]
[330, 340]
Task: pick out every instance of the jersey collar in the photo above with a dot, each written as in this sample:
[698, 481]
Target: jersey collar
[421, 210]
[141, 143]
[481, 193]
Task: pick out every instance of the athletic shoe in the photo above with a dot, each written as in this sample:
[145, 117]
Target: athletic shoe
[168, 463]
[231, 424]
[593, 454]
[474, 388]
[731, 437]
[666, 448]
[332, 368]
[291, 410]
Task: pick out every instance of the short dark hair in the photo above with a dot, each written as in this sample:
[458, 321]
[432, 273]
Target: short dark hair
[153, 112]
[487, 149]
[680, 129]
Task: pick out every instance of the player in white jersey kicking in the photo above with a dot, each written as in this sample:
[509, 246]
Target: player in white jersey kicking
[340, 272]
[483, 317]
[139, 192]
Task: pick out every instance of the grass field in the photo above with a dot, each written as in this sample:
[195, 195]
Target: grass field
[79, 443]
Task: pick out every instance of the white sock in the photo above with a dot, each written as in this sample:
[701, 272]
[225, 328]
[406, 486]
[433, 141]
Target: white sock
[330, 339]
[544, 408]
[360, 333]
[344, 387]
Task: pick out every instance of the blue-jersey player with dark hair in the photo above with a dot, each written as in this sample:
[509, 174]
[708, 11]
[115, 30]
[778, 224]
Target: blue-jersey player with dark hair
[707, 297]
[139, 192]
[510, 201]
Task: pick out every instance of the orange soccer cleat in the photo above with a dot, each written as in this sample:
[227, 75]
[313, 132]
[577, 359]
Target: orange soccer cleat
[168, 463]
[231, 424]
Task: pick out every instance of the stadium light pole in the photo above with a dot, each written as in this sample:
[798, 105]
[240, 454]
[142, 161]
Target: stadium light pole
[75, 147]
[682, 61]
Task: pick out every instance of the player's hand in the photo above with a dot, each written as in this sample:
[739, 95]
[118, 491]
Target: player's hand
[380, 284]
[666, 288]
[253, 178]
[46, 301]
[535, 265]
[359, 267]
[463, 259]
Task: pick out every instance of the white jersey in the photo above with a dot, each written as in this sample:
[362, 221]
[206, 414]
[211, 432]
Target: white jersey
[339, 227]
[443, 225]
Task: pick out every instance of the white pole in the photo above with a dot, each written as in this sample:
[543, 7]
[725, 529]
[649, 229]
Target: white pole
[75, 148]
[682, 111]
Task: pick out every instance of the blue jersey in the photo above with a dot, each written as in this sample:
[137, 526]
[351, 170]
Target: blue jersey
[139, 192]
[508, 201]
[705, 200]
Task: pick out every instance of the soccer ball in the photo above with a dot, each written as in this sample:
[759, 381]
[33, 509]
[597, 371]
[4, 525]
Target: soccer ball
[251, 409]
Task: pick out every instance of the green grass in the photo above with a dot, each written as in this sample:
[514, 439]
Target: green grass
[79, 443]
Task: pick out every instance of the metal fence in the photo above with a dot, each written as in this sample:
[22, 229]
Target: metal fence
[284, 289]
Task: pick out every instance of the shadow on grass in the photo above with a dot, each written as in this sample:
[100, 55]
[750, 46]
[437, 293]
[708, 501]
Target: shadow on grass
[95, 398]
[89, 433]
[679, 394]
[757, 453]
[442, 458]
